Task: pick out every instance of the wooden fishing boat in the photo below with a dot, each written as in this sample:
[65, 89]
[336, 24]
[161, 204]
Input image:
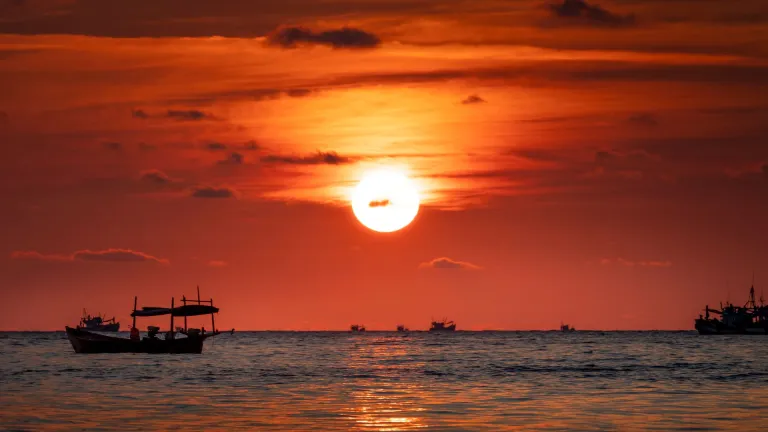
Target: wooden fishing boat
[183, 341]
[442, 326]
[98, 323]
[750, 319]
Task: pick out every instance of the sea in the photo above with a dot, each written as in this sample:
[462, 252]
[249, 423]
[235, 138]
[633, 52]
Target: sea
[389, 381]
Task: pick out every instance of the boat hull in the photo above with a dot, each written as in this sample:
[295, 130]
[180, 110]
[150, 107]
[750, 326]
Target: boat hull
[86, 342]
[443, 330]
[103, 328]
[710, 327]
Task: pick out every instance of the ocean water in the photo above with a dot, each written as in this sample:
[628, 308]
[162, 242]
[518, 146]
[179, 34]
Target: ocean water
[382, 381]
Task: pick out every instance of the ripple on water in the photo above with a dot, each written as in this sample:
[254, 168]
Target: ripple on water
[385, 381]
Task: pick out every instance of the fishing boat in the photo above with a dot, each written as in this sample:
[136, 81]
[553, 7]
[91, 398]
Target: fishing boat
[442, 326]
[402, 329]
[186, 341]
[565, 328]
[356, 328]
[98, 323]
[752, 318]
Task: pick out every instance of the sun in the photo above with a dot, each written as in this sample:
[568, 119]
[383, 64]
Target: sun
[385, 200]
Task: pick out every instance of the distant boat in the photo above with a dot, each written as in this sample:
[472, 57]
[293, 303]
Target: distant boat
[442, 326]
[357, 328]
[566, 328]
[748, 319]
[191, 340]
[402, 329]
[98, 323]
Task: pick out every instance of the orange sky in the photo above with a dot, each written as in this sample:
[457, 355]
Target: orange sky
[603, 164]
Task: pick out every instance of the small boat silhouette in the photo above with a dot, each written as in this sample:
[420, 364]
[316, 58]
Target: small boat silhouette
[442, 326]
[98, 323]
[402, 329]
[357, 328]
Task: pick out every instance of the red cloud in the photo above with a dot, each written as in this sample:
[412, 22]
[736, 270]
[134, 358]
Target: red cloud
[448, 264]
[107, 255]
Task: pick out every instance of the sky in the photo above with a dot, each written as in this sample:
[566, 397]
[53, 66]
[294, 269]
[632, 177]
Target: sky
[600, 163]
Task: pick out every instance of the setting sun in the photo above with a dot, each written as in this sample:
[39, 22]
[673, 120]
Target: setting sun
[385, 200]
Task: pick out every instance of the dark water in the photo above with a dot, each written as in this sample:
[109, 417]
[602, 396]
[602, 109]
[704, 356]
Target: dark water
[388, 381]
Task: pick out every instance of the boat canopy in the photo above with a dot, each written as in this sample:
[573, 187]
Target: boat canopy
[188, 310]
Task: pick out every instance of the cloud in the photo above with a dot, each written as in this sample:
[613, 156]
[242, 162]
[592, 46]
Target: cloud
[630, 263]
[319, 158]
[106, 255]
[155, 177]
[216, 146]
[449, 264]
[251, 146]
[115, 146]
[379, 203]
[213, 192]
[234, 158]
[217, 263]
[473, 99]
[579, 11]
[643, 119]
[139, 114]
[188, 115]
[346, 37]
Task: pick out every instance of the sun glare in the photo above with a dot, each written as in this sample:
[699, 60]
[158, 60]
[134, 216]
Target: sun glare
[385, 200]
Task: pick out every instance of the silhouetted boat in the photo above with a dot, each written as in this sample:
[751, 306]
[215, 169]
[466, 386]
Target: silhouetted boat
[190, 342]
[98, 323]
[357, 328]
[748, 319]
[401, 328]
[566, 328]
[442, 326]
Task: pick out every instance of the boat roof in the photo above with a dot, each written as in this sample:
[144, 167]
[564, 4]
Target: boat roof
[187, 310]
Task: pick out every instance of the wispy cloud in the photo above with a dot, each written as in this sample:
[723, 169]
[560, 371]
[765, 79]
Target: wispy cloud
[473, 99]
[319, 158]
[632, 263]
[155, 176]
[106, 255]
[189, 115]
[579, 11]
[213, 192]
[346, 37]
[444, 263]
[234, 158]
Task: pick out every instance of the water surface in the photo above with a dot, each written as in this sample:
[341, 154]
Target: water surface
[389, 381]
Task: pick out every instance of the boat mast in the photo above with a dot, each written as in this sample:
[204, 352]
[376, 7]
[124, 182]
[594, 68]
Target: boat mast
[135, 300]
[171, 316]
[184, 299]
[213, 324]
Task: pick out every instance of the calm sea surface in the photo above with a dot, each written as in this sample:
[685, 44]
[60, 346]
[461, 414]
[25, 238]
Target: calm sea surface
[390, 381]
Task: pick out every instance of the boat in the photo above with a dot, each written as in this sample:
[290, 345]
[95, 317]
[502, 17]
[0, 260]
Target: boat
[98, 323]
[752, 318]
[186, 341]
[442, 326]
[402, 329]
[357, 328]
[566, 328]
